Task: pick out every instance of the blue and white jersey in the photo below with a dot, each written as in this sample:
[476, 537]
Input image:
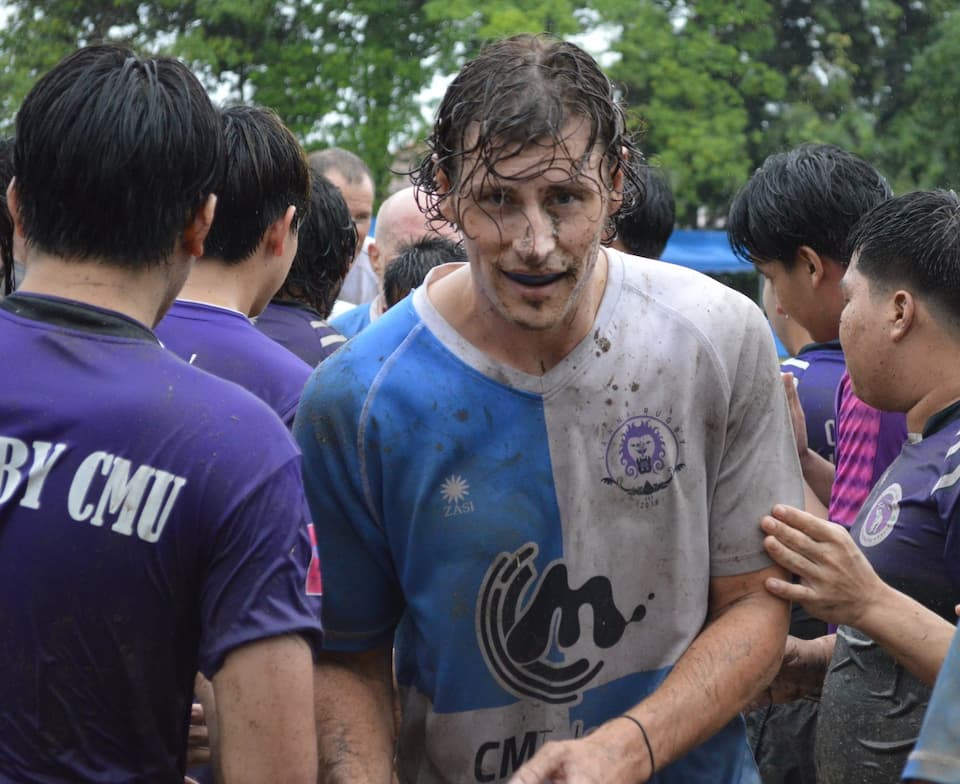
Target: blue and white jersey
[542, 546]
[909, 530]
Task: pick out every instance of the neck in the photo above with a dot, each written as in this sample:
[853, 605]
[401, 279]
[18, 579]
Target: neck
[936, 380]
[225, 285]
[143, 294]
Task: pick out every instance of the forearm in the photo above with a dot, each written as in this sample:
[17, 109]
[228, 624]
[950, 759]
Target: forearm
[818, 473]
[915, 636]
[265, 714]
[739, 649]
[353, 695]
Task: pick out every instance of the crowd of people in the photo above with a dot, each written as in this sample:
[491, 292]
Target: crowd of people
[485, 494]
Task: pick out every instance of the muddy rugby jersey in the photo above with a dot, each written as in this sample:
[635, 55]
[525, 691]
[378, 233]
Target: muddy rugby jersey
[141, 539]
[541, 547]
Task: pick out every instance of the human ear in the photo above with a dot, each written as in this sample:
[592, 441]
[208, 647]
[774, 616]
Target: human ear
[279, 232]
[813, 265]
[615, 191]
[444, 194]
[199, 227]
[904, 314]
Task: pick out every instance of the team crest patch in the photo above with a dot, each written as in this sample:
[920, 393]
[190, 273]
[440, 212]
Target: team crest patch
[643, 455]
[882, 517]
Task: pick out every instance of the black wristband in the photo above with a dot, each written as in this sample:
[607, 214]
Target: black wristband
[646, 739]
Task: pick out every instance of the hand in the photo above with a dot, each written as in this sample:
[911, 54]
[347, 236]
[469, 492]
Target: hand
[198, 741]
[801, 673]
[610, 755]
[797, 418]
[837, 583]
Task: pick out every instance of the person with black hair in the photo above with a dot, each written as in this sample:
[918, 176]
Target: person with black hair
[411, 265]
[8, 262]
[542, 475]
[152, 519]
[263, 198]
[892, 583]
[296, 316]
[791, 221]
[645, 228]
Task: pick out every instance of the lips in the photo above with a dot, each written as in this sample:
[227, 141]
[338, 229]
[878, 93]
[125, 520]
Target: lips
[534, 280]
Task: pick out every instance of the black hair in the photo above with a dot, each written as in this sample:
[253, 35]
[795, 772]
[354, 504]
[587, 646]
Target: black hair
[645, 228]
[6, 220]
[114, 155]
[326, 246]
[351, 166]
[812, 195]
[914, 240]
[266, 172]
[519, 92]
[413, 261]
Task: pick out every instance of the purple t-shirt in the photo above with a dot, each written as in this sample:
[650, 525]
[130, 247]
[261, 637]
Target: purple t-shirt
[300, 330]
[868, 440]
[225, 342]
[818, 368]
[909, 531]
[152, 519]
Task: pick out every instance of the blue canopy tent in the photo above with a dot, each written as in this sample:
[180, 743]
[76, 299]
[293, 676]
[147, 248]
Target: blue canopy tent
[704, 251]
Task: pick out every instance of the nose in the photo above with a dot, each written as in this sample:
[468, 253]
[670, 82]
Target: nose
[539, 234]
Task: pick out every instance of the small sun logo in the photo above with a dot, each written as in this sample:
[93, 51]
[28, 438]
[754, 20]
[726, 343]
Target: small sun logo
[454, 489]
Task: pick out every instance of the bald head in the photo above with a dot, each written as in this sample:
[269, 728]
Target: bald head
[400, 221]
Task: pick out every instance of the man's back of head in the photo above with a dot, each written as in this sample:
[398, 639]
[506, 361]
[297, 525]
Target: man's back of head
[325, 248]
[410, 266]
[646, 221]
[266, 173]
[113, 153]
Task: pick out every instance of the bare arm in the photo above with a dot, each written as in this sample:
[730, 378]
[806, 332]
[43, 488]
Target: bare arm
[355, 718]
[838, 585]
[818, 472]
[740, 647]
[265, 712]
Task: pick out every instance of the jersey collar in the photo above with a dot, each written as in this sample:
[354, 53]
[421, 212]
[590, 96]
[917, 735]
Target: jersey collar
[75, 315]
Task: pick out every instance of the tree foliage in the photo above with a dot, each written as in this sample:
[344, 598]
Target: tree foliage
[714, 86]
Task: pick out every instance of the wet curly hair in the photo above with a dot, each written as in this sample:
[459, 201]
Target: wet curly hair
[517, 92]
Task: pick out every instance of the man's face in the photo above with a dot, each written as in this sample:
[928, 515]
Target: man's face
[790, 288]
[532, 228]
[359, 199]
[862, 338]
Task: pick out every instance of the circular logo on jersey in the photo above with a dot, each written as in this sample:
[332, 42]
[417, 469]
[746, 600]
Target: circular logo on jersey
[642, 456]
[882, 517]
[530, 625]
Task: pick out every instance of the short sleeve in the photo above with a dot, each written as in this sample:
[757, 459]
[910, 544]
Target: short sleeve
[363, 600]
[261, 580]
[759, 465]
